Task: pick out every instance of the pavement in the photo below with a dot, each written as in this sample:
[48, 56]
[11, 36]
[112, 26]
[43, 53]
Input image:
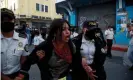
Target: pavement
[114, 68]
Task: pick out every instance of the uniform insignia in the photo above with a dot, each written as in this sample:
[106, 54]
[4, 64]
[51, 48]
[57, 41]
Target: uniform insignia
[97, 34]
[20, 46]
[93, 40]
[103, 50]
[92, 23]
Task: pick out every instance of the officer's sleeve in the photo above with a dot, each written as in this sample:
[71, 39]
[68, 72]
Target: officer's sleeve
[26, 48]
[32, 58]
[106, 33]
[25, 53]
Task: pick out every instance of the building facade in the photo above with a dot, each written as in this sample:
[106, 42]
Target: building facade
[124, 15]
[116, 13]
[78, 11]
[36, 13]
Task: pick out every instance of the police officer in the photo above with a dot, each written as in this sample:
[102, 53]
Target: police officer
[90, 45]
[13, 51]
[109, 33]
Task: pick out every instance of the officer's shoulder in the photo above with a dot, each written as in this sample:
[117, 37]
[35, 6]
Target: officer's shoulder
[77, 37]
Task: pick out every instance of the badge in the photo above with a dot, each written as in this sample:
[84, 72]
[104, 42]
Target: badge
[103, 50]
[26, 48]
[92, 23]
[20, 46]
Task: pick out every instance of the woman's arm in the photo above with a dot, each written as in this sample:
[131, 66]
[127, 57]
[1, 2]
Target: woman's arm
[33, 58]
[88, 69]
[22, 60]
[4, 77]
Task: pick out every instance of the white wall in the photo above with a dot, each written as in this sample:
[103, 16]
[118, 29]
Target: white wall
[57, 1]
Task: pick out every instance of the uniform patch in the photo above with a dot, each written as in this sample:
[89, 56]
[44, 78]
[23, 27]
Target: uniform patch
[92, 23]
[20, 46]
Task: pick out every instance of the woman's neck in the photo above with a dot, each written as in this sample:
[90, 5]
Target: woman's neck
[59, 44]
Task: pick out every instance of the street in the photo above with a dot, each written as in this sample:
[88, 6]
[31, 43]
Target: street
[58, 29]
[114, 68]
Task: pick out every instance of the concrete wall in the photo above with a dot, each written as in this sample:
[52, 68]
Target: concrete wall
[104, 13]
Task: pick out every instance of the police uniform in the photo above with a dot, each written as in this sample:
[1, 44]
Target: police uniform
[12, 50]
[109, 33]
[91, 46]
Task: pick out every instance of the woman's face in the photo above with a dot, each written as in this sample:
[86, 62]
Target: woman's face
[84, 30]
[65, 33]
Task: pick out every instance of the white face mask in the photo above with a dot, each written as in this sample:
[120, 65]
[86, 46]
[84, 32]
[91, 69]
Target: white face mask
[111, 29]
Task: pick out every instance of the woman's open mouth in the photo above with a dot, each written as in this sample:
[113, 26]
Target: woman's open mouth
[67, 37]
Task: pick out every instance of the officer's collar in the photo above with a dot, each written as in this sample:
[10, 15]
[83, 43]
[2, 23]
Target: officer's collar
[15, 36]
[83, 38]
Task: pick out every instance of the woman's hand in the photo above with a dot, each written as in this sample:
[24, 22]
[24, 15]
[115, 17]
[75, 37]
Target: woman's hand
[88, 69]
[18, 78]
[40, 54]
[91, 73]
[4, 77]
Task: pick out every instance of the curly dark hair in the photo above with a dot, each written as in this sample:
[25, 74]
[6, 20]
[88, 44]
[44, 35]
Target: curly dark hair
[56, 29]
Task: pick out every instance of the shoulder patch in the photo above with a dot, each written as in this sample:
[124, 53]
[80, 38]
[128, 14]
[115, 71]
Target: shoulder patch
[20, 46]
[26, 48]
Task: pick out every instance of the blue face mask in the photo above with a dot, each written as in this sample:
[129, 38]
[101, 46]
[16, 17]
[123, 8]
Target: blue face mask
[7, 26]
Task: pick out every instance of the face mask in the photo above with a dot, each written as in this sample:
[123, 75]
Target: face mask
[93, 34]
[111, 29]
[7, 26]
[90, 35]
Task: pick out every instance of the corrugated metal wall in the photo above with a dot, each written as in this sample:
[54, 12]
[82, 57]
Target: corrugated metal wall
[104, 13]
